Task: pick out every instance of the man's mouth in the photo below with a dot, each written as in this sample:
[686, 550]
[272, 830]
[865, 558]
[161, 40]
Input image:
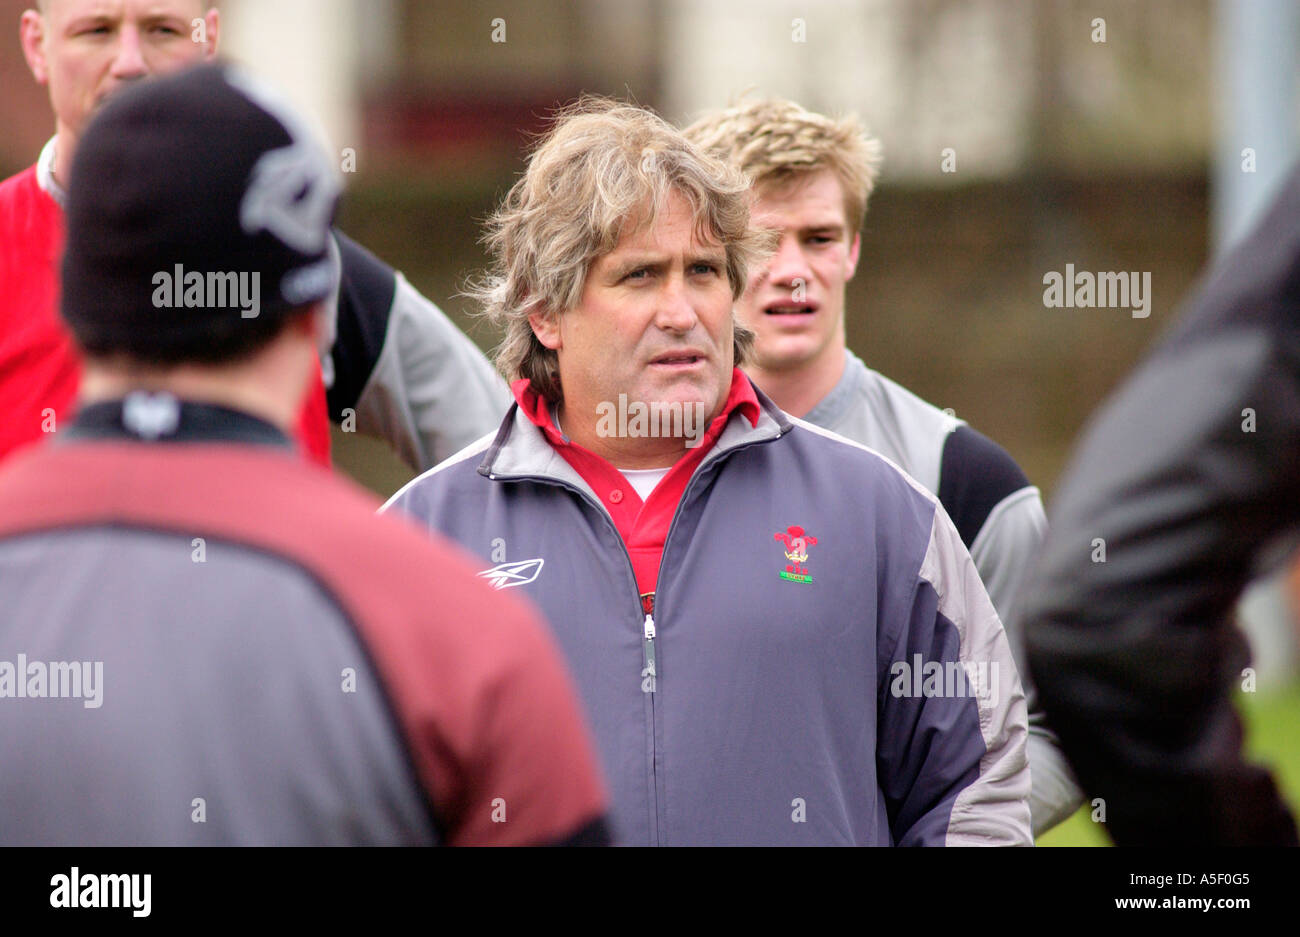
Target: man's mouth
[677, 360]
[111, 90]
[789, 309]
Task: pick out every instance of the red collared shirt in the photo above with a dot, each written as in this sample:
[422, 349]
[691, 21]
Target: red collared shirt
[642, 525]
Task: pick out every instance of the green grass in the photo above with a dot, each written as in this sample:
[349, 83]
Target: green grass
[1272, 738]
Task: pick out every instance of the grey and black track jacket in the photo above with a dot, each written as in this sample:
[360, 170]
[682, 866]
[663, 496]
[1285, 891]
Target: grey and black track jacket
[410, 375]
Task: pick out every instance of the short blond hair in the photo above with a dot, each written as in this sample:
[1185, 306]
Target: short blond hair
[602, 164]
[775, 141]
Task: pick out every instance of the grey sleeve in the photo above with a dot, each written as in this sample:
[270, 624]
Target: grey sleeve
[953, 768]
[991, 811]
[432, 392]
[1004, 552]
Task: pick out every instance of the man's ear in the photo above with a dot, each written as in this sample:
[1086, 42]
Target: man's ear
[852, 266]
[547, 329]
[309, 322]
[31, 33]
[212, 22]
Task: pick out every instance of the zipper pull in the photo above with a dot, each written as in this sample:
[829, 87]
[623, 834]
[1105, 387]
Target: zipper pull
[649, 674]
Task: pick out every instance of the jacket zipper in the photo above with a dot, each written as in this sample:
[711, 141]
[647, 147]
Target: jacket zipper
[650, 673]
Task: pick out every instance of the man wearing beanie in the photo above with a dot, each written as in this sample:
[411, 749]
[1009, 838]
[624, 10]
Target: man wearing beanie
[392, 364]
[206, 640]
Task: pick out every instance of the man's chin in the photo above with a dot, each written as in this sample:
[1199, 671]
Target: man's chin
[684, 393]
[675, 399]
[106, 96]
[785, 355]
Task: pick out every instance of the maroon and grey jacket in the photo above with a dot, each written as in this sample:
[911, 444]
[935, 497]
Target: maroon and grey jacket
[847, 683]
[205, 640]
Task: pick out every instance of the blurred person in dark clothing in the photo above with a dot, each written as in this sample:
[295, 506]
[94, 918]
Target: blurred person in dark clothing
[1185, 487]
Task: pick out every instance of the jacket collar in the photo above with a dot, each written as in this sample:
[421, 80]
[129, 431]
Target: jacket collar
[740, 395]
[163, 418]
[521, 449]
[45, 174]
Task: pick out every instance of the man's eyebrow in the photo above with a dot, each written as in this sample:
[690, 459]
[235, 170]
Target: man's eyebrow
[83, 20]
[636, 262]
[821, 227]
[162, 16]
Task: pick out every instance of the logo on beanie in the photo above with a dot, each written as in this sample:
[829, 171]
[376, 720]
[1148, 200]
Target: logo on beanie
[291, 195]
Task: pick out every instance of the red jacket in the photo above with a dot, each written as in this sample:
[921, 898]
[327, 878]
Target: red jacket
[39, 365]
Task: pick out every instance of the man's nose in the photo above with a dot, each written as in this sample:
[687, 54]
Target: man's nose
[788, 263]
[675, 311]
[129, 61]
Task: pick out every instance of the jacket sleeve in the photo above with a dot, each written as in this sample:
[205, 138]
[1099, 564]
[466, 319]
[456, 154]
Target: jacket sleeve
[1180, 488]
[492, 719]
[951, 745]
[1005, 552]
[999, 514]
[409, 374]
[432, 391]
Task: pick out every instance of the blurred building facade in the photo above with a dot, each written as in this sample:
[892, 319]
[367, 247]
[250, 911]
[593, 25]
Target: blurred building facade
[1009, 87]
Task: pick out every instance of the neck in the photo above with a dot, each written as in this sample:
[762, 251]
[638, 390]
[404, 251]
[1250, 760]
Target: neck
[797, 390]
[65, 147]
[636, 435]
[622, 452]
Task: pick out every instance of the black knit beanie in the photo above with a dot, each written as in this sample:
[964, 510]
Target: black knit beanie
[198, 219]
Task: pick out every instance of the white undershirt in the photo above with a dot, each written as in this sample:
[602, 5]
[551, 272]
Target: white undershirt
[643, 481]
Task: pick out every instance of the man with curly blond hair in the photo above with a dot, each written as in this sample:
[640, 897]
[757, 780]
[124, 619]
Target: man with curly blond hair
[811, 177]
[779, 637]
